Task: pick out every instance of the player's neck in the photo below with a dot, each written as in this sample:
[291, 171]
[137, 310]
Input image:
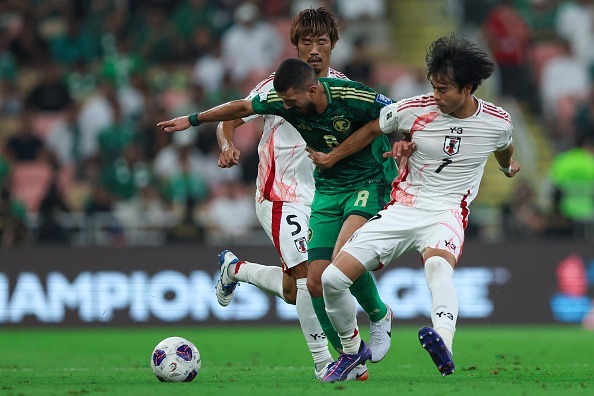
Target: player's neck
[324, 73]
[468, 109]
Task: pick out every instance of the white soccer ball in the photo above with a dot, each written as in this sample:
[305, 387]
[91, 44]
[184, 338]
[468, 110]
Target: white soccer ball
[175, 359]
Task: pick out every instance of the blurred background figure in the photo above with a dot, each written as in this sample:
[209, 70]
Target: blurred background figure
[250, 45]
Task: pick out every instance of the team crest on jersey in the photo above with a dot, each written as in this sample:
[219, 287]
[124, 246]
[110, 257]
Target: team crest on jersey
[341, 124]
[301, 245]
[451, 145]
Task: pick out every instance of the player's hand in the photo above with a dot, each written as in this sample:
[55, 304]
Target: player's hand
[321, 160]
[401, 149]
[176, 124]
[229, 157]
[515, 168]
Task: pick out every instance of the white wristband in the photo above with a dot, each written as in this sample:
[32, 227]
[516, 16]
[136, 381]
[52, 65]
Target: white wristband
[505, 170]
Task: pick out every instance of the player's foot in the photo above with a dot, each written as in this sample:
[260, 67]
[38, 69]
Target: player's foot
[225, 286]
[442, 357]
[359, 373]
[380, 337]
[339, 370]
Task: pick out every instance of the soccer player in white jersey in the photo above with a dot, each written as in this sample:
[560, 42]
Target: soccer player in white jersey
[454, 133]
[285, 189]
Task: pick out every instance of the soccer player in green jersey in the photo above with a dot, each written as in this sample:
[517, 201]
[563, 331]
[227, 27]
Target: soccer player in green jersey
[325, 112]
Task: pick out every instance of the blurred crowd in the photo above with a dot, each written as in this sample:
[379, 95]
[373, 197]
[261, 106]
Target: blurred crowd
[84, 82]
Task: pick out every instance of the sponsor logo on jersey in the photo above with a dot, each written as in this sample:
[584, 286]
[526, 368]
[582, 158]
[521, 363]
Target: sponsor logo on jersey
[341, 124]
[309, 234]
[451, 145]
[301, 245]
[383, 99]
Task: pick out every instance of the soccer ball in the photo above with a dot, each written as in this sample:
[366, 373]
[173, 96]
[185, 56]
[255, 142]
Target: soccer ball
[175, 359]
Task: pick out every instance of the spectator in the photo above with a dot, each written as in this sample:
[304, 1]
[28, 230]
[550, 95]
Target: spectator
[230, 216]
[410, 84]
[116, 136]
[11, 101]
[508, 38]
[540, 15]
[13, 220]
[51, 93]
[95, 114]
[575, 23]
[25, 146]
[155, 37]
[250, 45]
[564, 82]
[522, 217]
[52, 207]
[209, 69]
[572, 174]
[360, 66]
[75, 44]
[127, 174]
[63, 139]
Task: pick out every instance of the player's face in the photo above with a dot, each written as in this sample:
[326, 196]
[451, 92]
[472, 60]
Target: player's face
[298, 100]
[316, 51]
[449, 97]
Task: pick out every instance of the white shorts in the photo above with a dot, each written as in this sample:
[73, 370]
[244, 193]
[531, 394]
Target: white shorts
[286, 224]
[399, 229]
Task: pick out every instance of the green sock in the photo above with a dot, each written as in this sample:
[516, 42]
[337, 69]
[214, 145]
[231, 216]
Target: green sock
[331, 334]
[365, 291]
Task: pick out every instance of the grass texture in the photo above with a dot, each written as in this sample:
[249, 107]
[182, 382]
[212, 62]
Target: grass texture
[490, 360]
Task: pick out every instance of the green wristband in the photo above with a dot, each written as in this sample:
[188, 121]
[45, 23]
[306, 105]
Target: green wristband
[193, 118]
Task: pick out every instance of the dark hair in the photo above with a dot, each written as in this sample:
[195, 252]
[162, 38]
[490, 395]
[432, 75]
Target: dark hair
[315, 23]
[460, 60]
[294, 73]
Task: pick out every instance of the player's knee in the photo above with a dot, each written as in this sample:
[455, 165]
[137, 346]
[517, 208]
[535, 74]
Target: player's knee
[315, 287]
[290, 296]
[334, 281]
[436, 269]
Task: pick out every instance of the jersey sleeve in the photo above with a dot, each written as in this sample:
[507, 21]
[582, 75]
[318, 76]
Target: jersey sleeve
[387, 119]
[506, 137]
[250, 97]
[261, 104]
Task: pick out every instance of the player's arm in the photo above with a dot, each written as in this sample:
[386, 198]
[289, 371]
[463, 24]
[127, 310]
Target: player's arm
[225, 112]
[229, 153]
[354, 143]
[506, 164]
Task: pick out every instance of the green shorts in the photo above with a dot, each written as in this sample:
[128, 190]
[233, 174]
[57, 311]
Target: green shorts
[329, 211]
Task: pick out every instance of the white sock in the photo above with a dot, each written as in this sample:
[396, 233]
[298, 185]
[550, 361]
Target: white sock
[312, 330]
[265, 277]
[341, 308]
[444, 300]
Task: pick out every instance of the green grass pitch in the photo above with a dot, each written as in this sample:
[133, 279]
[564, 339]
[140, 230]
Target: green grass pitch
[490, 360]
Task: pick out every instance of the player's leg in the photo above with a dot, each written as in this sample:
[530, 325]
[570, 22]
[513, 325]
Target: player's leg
[341, 309]
[446, 236]
[269, 278]
[324, 226]
[359, 207]
[364, 288]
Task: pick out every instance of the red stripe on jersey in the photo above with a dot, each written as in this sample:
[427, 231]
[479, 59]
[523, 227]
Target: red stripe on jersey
[464, 206]
[422, 121]
[402, 174]
[498, 115]
[427, 104]
[497, 110]
[267, 193]
[422, 102]
[337, 73]
[277, 215]
[264, 82]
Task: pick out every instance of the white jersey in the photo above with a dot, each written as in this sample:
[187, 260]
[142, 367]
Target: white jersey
[285, 172]
[446, 168]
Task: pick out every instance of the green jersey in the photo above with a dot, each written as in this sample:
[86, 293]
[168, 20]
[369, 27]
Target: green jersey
[351, 105]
